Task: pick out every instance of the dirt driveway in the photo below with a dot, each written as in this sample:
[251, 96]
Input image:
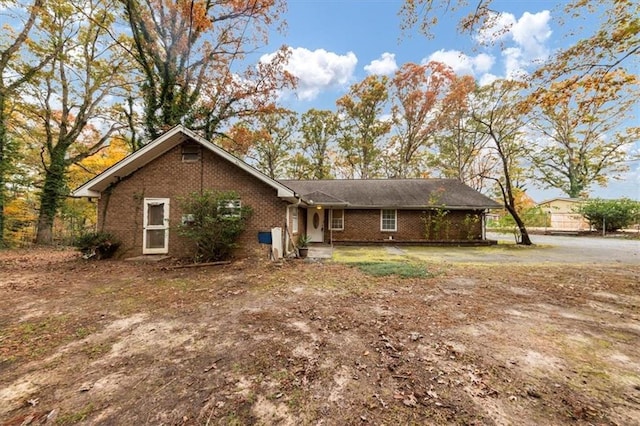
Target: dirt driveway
[317, 343]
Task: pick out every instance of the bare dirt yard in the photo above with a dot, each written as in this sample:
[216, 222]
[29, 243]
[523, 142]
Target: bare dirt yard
[473, 343]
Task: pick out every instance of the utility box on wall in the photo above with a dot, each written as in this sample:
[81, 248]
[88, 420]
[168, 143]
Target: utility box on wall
[264, 237]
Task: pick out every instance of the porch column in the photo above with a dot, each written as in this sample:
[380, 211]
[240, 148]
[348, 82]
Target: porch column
[484, 225]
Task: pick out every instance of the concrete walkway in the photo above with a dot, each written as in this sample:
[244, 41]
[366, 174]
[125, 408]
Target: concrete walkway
[394, 250]
[320, 252]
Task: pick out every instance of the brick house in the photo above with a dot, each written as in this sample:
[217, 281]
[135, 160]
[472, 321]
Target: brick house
[138, 200]
[392, 210]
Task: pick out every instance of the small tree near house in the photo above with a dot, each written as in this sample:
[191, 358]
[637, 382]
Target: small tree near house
[213, 221]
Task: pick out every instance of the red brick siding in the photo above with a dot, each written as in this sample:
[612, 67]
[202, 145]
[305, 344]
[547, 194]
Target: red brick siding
[169, 177]
[364, 225]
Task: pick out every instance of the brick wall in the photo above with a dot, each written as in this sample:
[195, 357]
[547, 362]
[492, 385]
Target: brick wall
[121, 208]
[364, 225]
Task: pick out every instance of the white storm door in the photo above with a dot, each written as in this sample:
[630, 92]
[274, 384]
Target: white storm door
[315, 224]
[155, 239]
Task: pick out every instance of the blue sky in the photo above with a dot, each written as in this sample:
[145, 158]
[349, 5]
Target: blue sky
[339, 42]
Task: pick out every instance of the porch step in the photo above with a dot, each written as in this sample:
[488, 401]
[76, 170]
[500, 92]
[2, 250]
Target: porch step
[148, 258]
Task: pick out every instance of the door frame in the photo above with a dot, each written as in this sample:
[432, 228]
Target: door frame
[316, 235]
[146, 227]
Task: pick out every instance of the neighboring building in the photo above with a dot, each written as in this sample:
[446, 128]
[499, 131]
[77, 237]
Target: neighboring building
[139, 202]
[562, 214]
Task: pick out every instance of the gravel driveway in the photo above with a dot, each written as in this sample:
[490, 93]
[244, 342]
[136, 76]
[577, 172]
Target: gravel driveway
[546, 249]
[571, 249]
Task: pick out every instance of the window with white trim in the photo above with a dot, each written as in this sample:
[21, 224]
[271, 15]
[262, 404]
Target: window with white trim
[294, 219]
[229, 208]
[388, 220]
[337, 220]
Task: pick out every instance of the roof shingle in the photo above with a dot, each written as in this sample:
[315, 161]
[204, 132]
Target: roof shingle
[396, 193]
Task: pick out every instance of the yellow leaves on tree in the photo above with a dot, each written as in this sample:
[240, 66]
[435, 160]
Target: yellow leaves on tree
[97, 163]
[20, 219]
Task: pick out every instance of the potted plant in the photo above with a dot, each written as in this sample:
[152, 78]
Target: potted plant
[303, 245]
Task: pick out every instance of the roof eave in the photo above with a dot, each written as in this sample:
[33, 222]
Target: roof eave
[421, 207]
[329, 204]
[85, 193]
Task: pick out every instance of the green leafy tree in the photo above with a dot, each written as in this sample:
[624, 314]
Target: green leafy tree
[319, 129]
[272, 142]
[17, 67]
[215, 223]
[299, 167]
[584, 124]
[71, 116]
[611, 214]
[363, 129]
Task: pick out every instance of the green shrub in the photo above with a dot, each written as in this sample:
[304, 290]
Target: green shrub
[614, 214]
[97, 245]
[214, 222]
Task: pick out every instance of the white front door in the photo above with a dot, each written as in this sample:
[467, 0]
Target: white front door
[315, 224]
[155, 238]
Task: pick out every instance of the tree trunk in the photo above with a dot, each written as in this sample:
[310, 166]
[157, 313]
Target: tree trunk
[3, 166]
[51, 196]
[510, 205]
[524, 235]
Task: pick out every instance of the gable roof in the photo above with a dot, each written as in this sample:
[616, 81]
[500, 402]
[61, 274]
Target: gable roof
[392, 193]
[161, 145]
[568, 200]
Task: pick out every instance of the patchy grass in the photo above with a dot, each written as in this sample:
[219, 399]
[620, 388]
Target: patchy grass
[360, 254]
[34, 338]
[378, 262]
[96, 350]
[303, 343]
[76, 416]
[400, 269]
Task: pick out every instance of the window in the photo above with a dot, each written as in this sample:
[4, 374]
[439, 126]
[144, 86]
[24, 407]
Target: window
[337, 219]
[190, 153]
[294, 219]
[229, 208]
[388, 220]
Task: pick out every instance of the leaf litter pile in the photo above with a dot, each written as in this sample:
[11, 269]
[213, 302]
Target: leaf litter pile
[252, 342]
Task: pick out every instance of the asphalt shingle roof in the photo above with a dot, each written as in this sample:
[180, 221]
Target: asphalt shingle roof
[401, 193]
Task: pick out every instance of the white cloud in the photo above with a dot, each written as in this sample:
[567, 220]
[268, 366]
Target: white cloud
[531, 32]
[514, 65]
[386, 65]
[528, 34]
[487, 78]
[497, 28]
[463, 64]
[318, 70]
